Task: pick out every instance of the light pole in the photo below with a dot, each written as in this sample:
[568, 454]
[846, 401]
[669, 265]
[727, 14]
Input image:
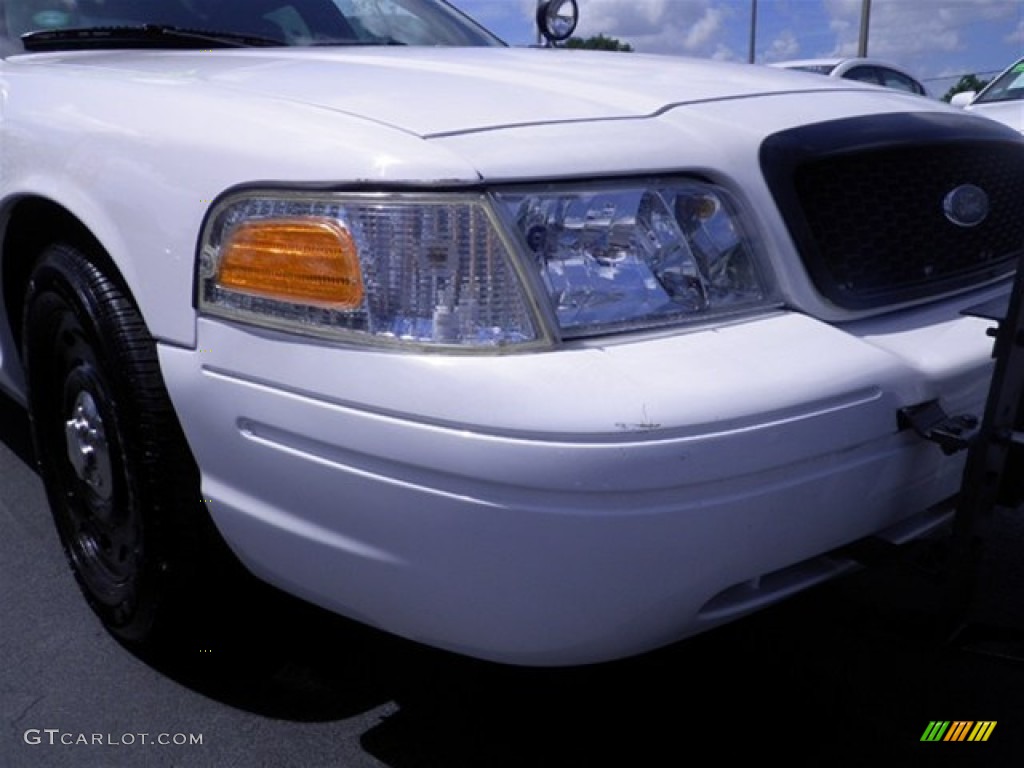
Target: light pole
[753, 30]
[865, 22]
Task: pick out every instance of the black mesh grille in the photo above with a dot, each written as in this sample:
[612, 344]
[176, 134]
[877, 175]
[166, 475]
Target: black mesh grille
[869, 220]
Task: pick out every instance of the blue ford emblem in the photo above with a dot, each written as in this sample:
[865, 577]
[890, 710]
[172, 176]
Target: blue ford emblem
[966, 206]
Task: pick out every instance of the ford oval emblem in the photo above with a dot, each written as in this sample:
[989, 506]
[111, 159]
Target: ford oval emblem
[966, 206]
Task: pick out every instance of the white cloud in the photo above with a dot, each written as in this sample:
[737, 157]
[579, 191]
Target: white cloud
[704, 31]
[905, 28]
[694, 27]
[1017, 35]
[784, 46]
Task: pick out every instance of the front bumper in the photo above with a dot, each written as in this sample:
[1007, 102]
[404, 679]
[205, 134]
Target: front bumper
[576, 505]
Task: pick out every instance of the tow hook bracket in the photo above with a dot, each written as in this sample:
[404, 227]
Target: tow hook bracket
[930, 421]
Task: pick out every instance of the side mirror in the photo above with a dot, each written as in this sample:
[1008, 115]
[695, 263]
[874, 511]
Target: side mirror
[556, 19]
[963, 98]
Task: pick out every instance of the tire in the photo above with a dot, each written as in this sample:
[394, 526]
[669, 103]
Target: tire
[121, 481]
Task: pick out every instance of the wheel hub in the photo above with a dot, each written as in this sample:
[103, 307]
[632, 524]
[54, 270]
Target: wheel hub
[87, 446]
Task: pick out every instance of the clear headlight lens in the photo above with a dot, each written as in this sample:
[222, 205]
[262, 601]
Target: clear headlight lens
[628, 256]
[415, 269]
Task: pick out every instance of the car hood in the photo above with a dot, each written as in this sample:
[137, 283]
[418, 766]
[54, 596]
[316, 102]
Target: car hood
[431, 92]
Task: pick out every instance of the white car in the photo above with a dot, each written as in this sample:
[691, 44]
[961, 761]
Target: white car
[1001, 100]
[862, 70]
[541, 356]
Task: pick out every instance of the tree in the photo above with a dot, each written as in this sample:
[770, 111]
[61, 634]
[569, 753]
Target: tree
[967, 83]
[599, 43]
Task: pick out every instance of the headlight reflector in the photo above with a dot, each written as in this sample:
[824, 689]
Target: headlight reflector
[621, 256]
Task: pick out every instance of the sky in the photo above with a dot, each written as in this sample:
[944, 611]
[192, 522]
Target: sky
[935, 40]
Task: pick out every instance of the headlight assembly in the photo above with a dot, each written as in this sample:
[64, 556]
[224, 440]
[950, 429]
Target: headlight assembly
[627, 256]
[516, 269]
[411, 269]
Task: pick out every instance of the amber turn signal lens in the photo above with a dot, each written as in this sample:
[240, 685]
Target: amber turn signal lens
[306, 261]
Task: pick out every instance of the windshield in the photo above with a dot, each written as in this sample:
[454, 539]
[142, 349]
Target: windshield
[1009, 86]
[300, 22]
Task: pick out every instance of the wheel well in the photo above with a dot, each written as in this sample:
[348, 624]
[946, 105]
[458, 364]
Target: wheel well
[32, 224]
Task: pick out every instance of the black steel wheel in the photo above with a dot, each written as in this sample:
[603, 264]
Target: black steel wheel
[121, 481]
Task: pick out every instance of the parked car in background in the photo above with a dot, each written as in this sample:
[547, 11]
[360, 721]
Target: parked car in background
[542, 356]
[860, 69]
[1001, 100]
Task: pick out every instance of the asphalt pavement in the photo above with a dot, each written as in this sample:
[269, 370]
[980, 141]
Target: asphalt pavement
[850, 674]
